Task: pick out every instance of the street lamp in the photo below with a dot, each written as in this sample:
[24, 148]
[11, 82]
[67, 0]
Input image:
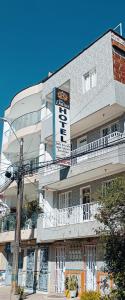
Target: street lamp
[20, 187]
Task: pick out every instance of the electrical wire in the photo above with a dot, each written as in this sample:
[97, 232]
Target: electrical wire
[74, 151]
[122, 140]
[71, 119]
[47, 172]
[54, 162]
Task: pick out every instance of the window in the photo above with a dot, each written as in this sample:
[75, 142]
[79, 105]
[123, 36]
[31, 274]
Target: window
[89, 80]
[82, 141]
[85, 195]
[110, 129]
[106, 185]
[65, 199]
[119, 51]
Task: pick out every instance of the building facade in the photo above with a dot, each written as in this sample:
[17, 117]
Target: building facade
[64, 240]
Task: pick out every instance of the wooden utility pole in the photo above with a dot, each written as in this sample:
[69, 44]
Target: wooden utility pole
[17, 242]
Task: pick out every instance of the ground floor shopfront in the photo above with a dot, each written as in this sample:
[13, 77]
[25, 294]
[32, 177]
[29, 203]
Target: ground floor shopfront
[44, 267]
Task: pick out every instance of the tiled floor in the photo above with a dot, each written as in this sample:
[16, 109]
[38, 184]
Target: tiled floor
[5, 294]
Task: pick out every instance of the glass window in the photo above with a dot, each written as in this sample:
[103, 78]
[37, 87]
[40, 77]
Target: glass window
[89, 80]
[110, 129]
[106, 185]
[118, 51]
[85, 195]
[105, 131]
[65, 199]
[93, 78]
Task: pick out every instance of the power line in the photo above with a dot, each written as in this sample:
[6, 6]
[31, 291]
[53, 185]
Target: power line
[71, 119]
[52, 162]
[72, 156]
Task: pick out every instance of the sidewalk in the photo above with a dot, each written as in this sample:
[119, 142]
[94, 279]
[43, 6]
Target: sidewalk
[5, 294]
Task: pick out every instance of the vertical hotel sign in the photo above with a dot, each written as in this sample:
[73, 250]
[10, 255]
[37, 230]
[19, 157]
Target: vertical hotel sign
[61, 125]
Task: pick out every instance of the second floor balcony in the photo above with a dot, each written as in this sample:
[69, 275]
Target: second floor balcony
[72, 222]
[70, 215]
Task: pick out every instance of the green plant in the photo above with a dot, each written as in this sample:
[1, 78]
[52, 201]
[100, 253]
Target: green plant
[66, 283]
[117, 294]
[72, 283]
[112, 216]
[90, 295]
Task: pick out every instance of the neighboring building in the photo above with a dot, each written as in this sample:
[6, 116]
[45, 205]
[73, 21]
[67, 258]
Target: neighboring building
[65, 240]
[24, 113]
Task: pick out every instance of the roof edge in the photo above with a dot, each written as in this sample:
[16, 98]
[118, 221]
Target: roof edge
[63, 66]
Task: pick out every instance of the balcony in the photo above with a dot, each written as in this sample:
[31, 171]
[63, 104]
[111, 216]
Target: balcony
[70, 215]
[71, 222]
[26, 120]
[7, 228]
[27, 126]
[105, 156]
[90, 150]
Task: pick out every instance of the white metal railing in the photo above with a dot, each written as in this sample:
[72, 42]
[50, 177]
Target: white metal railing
[101, 143]
[70, 215]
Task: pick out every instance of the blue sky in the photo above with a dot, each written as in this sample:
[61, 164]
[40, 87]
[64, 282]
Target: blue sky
[40, 36]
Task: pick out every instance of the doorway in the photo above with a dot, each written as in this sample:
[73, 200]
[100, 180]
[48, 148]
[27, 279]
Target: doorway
[60, 267]
[90, 262]
[85, 199]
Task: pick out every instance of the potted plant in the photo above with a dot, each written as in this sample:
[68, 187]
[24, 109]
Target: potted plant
[72, 286]
[67, 294]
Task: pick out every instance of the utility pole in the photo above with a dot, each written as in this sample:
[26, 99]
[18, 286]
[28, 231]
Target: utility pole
[17, 242]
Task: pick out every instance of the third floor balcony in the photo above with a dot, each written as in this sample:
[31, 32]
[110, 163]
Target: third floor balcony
[26, 120]
[99, 158]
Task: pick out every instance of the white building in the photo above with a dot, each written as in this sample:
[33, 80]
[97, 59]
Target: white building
[64, 241]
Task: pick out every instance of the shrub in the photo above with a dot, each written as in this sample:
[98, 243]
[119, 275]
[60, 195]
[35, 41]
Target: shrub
[66, 283]
[90, 295]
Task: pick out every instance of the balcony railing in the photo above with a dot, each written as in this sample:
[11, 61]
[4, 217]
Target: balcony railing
[70, 215]
[26, 120]
[90, 149]
[8, 223]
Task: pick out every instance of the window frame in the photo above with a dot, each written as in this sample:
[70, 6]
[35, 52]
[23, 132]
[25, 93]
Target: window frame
[104, 187]
[83, 188]
[89, 74]
[64, 193]
[109, 127]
